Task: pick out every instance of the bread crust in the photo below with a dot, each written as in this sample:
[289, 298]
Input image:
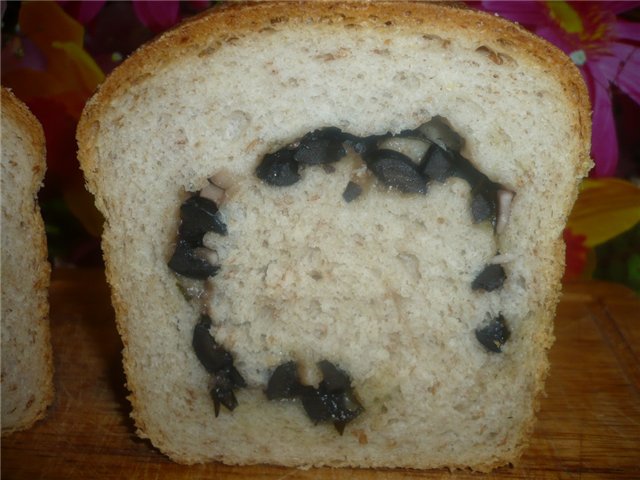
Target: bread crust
[222, 24]
[236, 19]
[16, 113]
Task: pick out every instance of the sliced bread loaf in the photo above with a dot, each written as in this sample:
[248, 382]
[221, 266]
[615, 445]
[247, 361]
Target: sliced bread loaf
[27, 369]
[333, 231]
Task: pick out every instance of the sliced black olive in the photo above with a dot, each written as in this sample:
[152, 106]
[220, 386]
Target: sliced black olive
[235, 378]
[351, 192]
[333, 400]
[484, 202]
[439, 132]
[484, 192]
[344, 408]
[187, 262]
[490, 278]
[213, 357]
[494, 335]
[361, 145]
[320, 147]
[284, 382]
[199, 215]
[323, 406]
[340, 400]
[438, 164]
[414, 147]
[334, 379]
[315, 404]
[466, 170]
[335, 396]
[396, 170]
[279, 169]
[222, 393]
[219, 362]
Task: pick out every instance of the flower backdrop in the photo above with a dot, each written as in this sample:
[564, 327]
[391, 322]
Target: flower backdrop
[54, 55]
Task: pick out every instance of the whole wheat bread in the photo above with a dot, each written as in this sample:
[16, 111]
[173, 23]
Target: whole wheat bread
[27, 370]
[316, 284]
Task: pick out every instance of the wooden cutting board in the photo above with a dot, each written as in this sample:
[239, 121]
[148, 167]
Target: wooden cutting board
[589, 423]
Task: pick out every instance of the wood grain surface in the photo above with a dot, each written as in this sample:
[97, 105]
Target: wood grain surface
[588, 428]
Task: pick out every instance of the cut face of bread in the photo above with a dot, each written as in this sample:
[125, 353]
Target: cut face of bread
[333, 232]
[27, 383]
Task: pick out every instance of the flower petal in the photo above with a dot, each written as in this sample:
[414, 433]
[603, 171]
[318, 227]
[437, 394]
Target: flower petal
[20, 52]
[198, 4]
[87, 71]
[557, 37]
[528, 13]
[621, 67]
[629, 77]
[157, 15]
[46, 22]
[626, 30]
[604, 141]
[618, 7]
[83, 11]
[604, 209]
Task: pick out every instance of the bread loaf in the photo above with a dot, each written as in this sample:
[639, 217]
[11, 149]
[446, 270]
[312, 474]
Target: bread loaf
[27, 370]
[333, 231]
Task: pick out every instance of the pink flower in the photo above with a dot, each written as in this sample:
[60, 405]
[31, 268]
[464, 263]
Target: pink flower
[156, 15]
[83, 11]
[602, 45]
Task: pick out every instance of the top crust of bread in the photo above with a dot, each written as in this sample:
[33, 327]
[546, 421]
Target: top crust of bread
[208, 33]
[212, 28]
[27, 369]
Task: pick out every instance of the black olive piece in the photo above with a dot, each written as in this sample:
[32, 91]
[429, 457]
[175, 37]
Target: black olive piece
[320, 147]
[396, 170]
[361, 145]
[494, 335]
[284, 382]
[484, 202]
[484, 192]
[334, 379]
[351, 192]
[212, 356]
[315, 404]
[410, 133]
[187, 262]
[463, 168]
[235, 378]
[324, 406]
[437, 164]
[279, 169]
[199, 215]
[222, 393]
[343, 406]
[438, 131]
[339, 425]
[333, 399]
[490, 278]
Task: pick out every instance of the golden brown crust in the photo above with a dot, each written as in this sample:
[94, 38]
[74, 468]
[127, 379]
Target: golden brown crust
[18, 114]
[219, 24]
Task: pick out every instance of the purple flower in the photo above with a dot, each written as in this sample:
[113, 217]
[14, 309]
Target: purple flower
[602, 45]
[156, 15]
[83, 11]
